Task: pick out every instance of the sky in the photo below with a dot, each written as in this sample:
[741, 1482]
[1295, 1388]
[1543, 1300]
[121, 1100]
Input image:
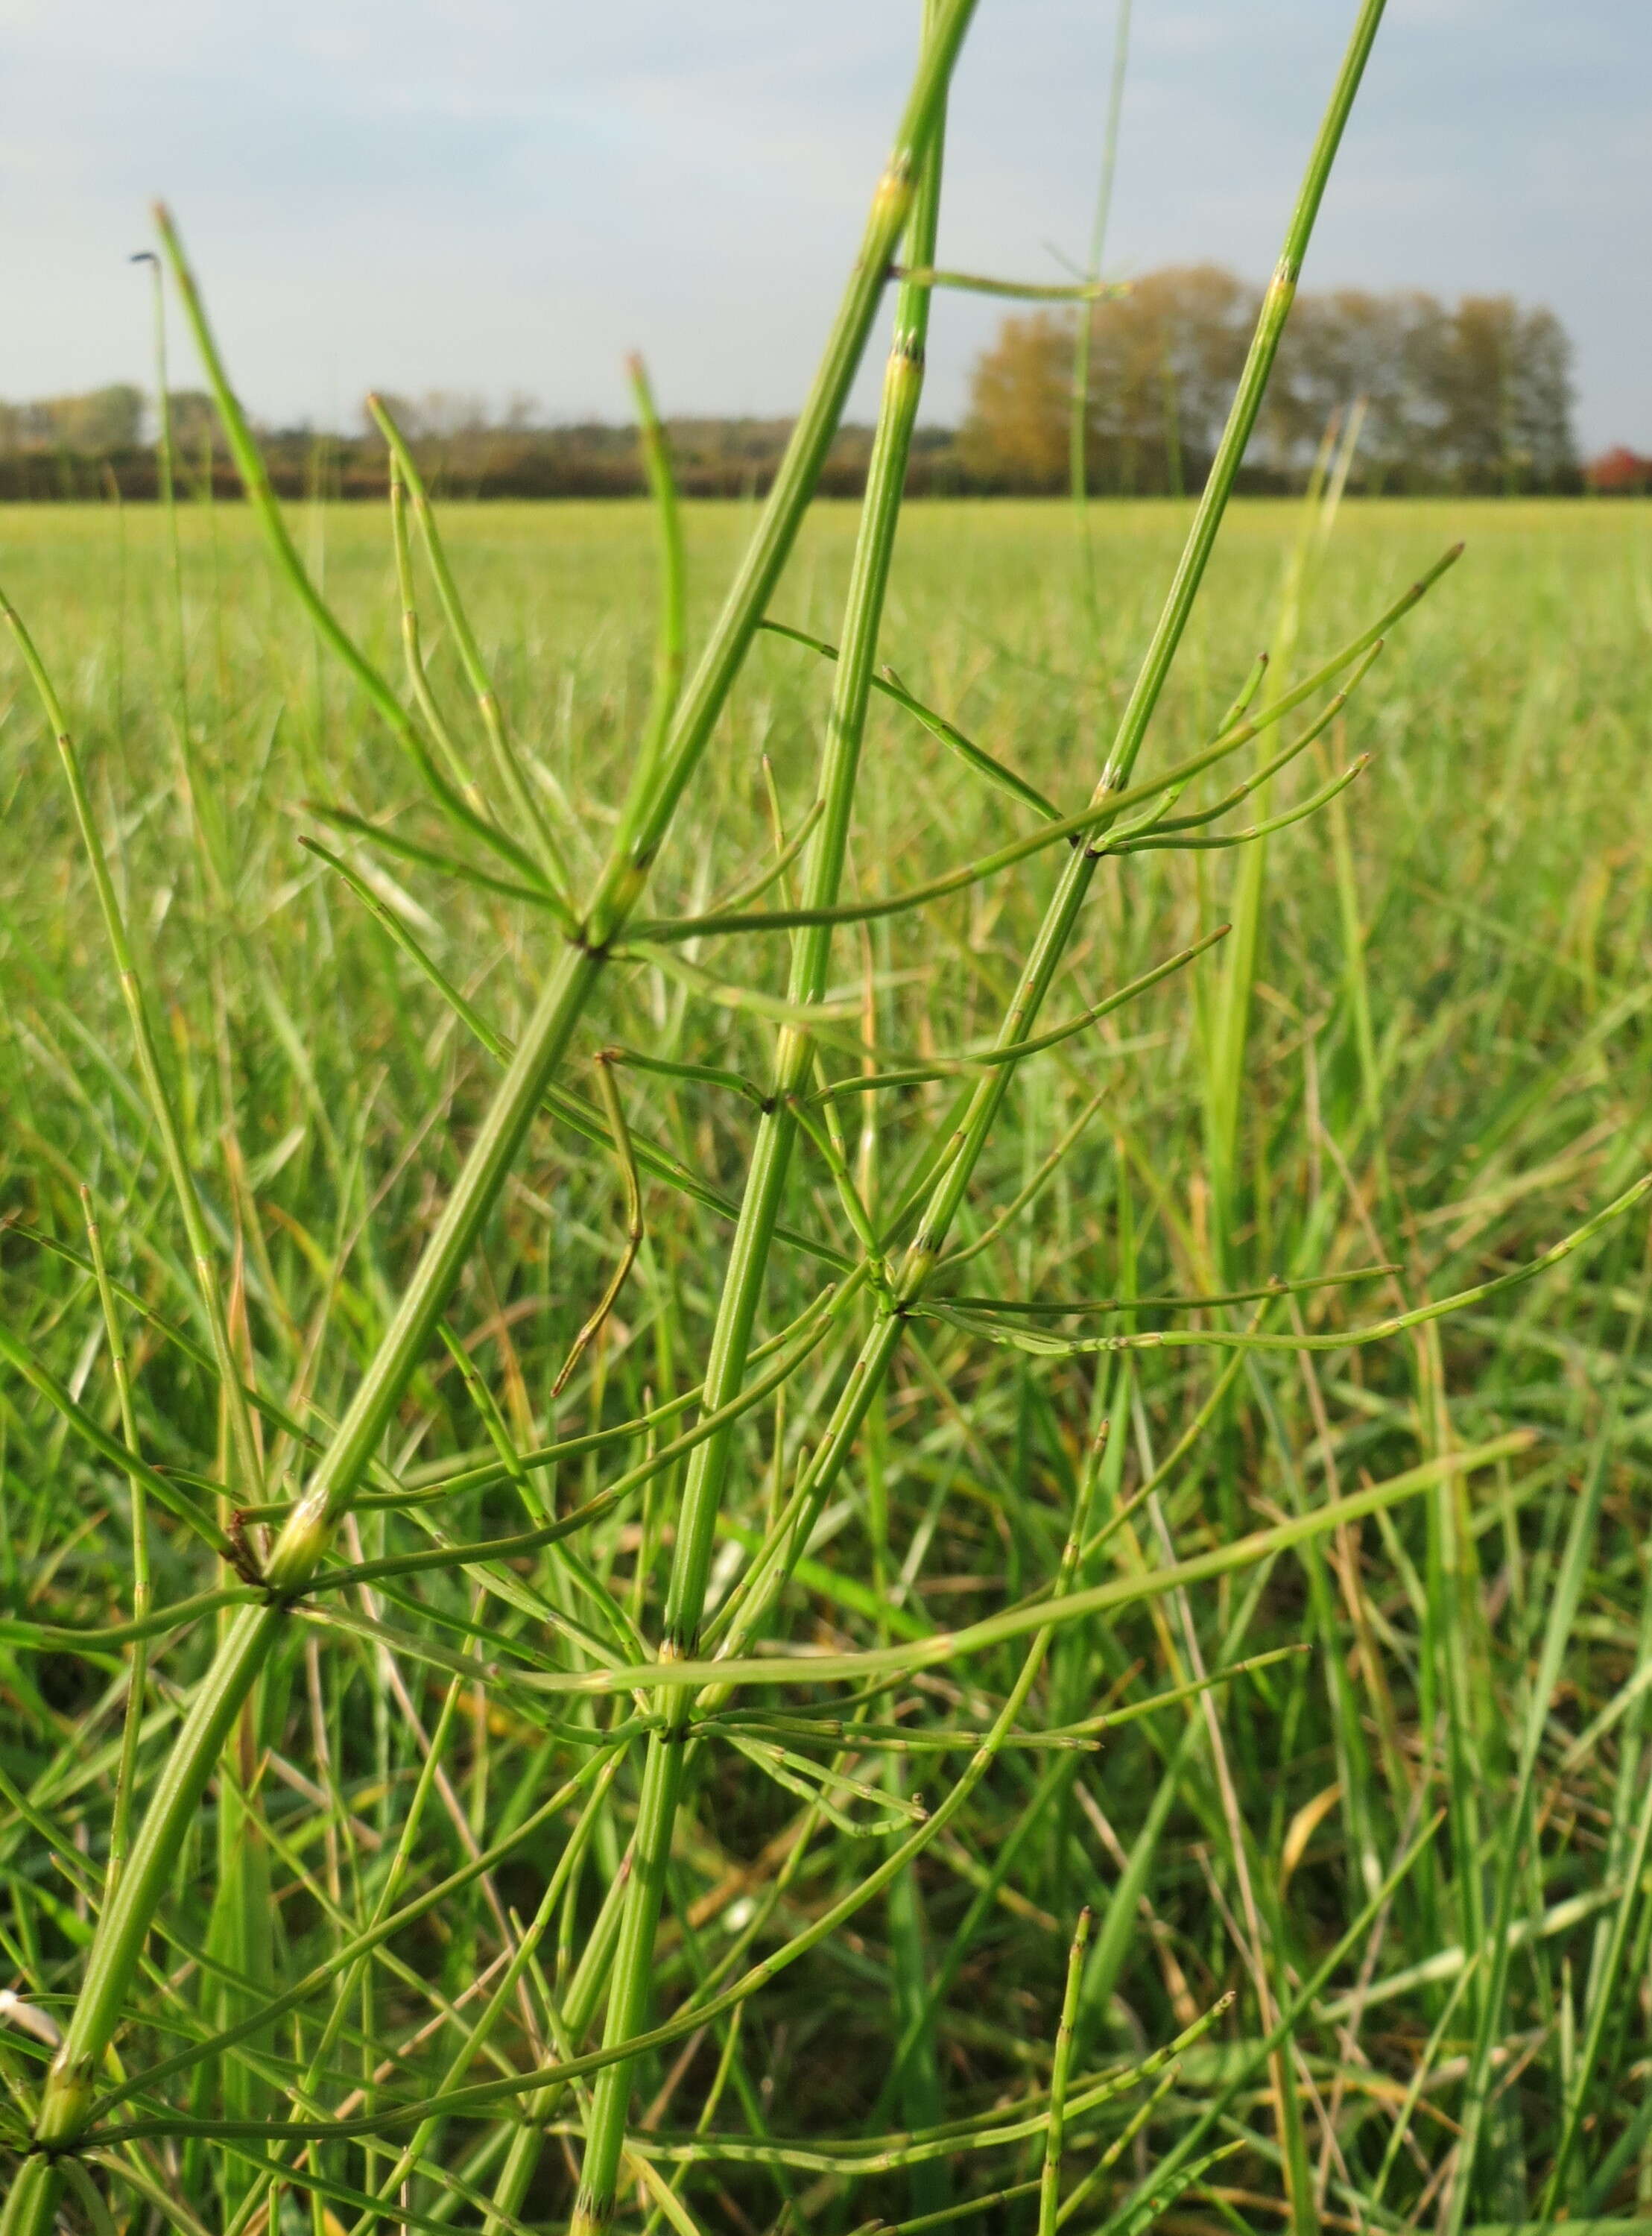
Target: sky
[491, 196]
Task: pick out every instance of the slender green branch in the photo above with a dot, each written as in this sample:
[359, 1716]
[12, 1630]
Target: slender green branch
[1029, 291]
[1300, 1340]
[249, 461]
[1103, 812]
[1084, 324]
[671, 647]
[1054, 2132]
[632, 1974]
[1015, 1622]
[124, 1924]
[1184, 841]
[179, 1172]
[529, 811]
[871, 1082]
[1242, 420]
[950, 735]
[433, 858]
[413, 645]
[142, 1587]
[1054, 1307]
[583, 1117]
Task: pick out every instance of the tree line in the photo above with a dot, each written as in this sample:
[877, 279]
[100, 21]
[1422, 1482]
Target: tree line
[102, 445]
[1474, 396]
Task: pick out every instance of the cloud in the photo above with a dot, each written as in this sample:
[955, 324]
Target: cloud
[494, 196]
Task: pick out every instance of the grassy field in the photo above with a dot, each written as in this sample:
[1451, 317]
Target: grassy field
[1411, 1847]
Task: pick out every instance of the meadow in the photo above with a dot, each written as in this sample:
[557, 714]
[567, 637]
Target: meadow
[1376, 1859]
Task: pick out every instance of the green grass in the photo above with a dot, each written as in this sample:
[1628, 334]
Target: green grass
[1499, 854]
[591, 1382]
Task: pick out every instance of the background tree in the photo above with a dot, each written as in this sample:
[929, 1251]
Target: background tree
[194, 423]
[1163, 364]
[91, 424]
[1342, 345]
[1015, 436]
[1499, 379]
[1475, 396]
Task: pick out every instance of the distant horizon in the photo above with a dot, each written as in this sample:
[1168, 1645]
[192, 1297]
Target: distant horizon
[474, 411]
[393, 197]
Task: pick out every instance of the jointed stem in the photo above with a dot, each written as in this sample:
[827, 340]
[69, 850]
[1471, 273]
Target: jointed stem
[928, 1247]
[663, 1777]
[903, 205]
[122, 1929]
[754, 1236]
[142, 1587]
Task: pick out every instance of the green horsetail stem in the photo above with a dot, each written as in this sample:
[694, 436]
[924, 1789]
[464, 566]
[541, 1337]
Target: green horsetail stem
[121, 1929]
[1064, 1605]
[539, 1686]
[970, 1131]
[743, 1277]
[1054, 2134]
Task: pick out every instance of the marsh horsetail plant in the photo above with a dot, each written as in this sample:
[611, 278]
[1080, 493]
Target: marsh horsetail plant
[578, 1645]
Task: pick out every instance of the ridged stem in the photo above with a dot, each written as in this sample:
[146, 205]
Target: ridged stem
[118, 1942]
[971, 1133]
[123, 1926]
[776, 1134]
[1242, 419]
